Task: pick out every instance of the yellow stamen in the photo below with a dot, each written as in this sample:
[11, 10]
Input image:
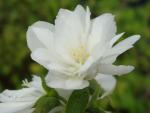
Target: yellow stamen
[80, 54]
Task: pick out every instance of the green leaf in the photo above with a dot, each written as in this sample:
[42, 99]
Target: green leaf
[46, 104]
[78, 101]
[96, 90]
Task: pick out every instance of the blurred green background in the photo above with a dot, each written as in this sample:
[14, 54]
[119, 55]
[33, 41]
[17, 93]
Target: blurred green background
[132, 94]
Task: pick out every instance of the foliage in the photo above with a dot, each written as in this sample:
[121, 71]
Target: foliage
[78, 101]
[132, 92]
[46, 102]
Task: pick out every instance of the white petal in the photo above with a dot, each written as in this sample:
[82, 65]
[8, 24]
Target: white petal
[65, 82]
[47, 58]
[129, 41]
[45, 25]
[99, 50]
[72, 27]
[22, 95]
[123, 45]
[114, 70]
[13, 107]
[19, 101]
[56, 82]
[60, 68]
[36, 83]
[80, 11]
[108, 59]
[114, 39]
[88, 69]
[42, 56]
[103, 29]
[68, 28]
[107, 82]
[51, 61]
[63, 56]
[74, 83]
[40, 35]
[85, 21]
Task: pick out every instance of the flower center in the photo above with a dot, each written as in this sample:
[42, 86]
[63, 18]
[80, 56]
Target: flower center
[80, 54]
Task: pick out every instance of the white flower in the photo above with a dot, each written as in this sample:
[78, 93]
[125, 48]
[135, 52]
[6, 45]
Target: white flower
[21, 101]
[77, 49]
